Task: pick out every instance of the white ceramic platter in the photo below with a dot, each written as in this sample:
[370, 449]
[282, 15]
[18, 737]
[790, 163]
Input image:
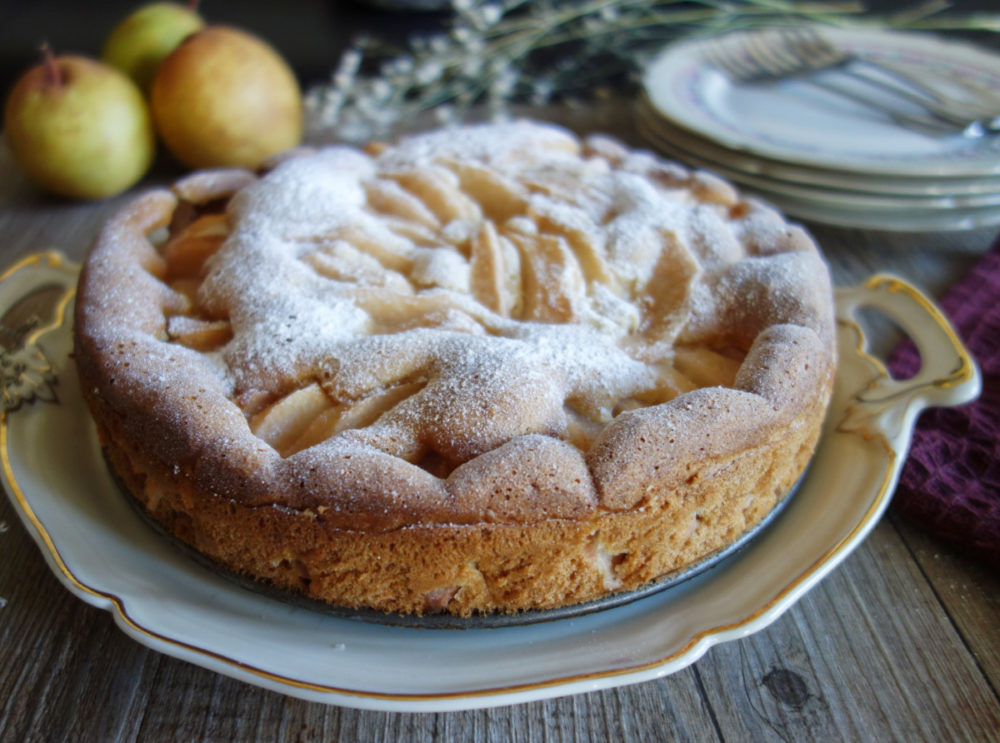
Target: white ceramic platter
[107, 555]
[792, 121]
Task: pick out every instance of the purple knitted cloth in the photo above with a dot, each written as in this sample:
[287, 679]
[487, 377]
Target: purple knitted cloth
[950, 484]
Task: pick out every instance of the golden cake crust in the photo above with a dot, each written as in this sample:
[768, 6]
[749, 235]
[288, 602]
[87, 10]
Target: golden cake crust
[505, 450]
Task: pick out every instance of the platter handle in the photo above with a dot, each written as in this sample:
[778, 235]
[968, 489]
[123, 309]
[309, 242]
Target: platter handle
[35, 294]
[948, 375]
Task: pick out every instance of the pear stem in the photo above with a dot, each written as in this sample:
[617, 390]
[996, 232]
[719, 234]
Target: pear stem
[193, 5]
[55, 77]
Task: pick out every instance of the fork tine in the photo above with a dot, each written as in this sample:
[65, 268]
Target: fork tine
[776, 58]
[742, 57]
[807, 43]
[722, 55]
[811, 43]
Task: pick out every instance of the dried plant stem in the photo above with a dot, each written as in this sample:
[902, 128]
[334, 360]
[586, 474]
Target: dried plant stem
[501, 51]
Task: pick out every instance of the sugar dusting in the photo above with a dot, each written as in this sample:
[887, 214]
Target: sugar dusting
[321, 282]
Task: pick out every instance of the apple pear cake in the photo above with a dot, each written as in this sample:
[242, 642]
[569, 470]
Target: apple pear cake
[494, 368]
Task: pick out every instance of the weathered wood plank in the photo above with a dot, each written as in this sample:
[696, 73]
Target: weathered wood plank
[869, 649]
[968, 591]
[54, 652]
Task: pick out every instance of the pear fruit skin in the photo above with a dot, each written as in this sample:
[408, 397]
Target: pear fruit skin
[139, 43]
[224, 98]
[79, 128]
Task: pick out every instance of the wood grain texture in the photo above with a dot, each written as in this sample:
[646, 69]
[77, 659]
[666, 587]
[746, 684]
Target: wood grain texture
[901, 642]
[968, 592]
[899, 663]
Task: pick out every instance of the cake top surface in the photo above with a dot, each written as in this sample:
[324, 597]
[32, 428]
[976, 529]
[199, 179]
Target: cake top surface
[458, 296]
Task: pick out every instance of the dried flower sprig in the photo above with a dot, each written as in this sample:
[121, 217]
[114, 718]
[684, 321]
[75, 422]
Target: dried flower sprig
[496, 52]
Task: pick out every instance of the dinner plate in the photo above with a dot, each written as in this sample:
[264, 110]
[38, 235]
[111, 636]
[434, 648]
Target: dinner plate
[916, 220]
[842, 208]
[745, 164]
[107, 555]
[791, 121]
[839, 197]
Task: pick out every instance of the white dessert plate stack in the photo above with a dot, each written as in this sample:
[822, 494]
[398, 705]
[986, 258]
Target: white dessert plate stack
[820, 156]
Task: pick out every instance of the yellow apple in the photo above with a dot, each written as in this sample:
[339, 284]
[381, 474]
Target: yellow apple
[79, 128]
[226, 98]
[144, 38]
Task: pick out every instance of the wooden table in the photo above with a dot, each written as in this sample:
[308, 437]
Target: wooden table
[901, 642]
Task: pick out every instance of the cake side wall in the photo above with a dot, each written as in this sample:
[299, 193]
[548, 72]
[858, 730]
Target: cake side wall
[475, 568]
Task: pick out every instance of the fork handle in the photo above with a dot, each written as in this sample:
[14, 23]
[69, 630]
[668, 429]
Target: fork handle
[936, 103]
[930, 124]
[948, 76]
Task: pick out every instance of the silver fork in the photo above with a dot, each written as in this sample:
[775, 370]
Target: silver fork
[781, 53]
[812, 49]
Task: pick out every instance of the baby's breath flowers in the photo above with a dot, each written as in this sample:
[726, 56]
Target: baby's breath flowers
[497, 52]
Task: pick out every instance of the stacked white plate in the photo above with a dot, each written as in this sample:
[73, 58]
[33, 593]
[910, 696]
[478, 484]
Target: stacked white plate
[819, 156]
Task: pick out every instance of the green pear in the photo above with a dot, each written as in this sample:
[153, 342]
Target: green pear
[79, 128]
[144, 38]
[224, 98]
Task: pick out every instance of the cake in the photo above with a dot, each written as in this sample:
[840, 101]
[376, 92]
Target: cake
[496, 368]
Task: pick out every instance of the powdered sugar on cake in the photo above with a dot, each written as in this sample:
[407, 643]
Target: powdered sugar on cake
[512, 255]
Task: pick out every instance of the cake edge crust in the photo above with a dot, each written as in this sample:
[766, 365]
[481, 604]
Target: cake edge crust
[466, 569]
